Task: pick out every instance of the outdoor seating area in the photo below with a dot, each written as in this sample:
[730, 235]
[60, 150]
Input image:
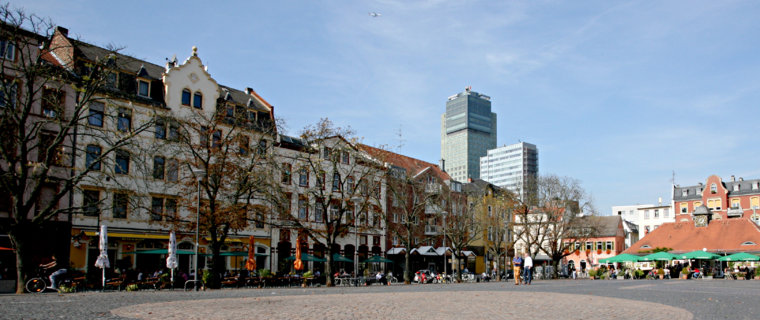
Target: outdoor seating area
[698, 264]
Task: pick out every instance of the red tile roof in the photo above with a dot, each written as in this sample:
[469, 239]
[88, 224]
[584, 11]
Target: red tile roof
[413, 166]
[719, 236]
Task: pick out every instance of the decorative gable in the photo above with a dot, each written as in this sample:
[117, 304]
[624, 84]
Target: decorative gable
[191, 76]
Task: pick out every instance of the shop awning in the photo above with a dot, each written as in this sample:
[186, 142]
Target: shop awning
[130, 235]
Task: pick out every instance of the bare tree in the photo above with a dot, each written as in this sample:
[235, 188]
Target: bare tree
[551, 215]
[230, 157]
[44, 103]
[334, 178]
[462, 227]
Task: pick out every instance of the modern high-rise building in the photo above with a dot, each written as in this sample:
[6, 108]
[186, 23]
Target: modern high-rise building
[468, 131]
[510, 166]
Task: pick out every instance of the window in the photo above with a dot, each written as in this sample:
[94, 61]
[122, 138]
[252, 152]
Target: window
[321, 180]
[326, 152]
[158, 167]
[172, 170]
[684, 207]
[735, 203]
[713, 188]
[334, 211]
[303, 177]
[490, 213]
[198, 100]
[112, 79]
[216, 139]
[599, 245]
[171, 209]
[122, 162]
[92, 156]
[755, 185]
[95, 117]
[12, 93]
[7, 50]
[395, 240]
[157, 209]
[350, 185]
[656, 213]
[395, 217]
[319, 211]
[286, 167]
[714, 204]
[262, 149]
[243, 146]
[666, 212]
[52, 102]
[186, 97]
[203, 136]
[697, 204]
[173, 131]
[303, 209]
[143, 88]
[646, 214]
[47, 140]
[754, 202]
[684, 192]
[345, 159]
[736, 187]
[160, 132]
[120, 201]
[608, 245]
[589, 245]
[336, 182]
[90, 201]
[124, 120]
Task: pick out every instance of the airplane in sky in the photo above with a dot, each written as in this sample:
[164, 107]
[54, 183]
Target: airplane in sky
[374, 14]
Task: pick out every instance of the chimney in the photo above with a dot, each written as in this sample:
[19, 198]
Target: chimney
[659, 201]
[248, 90]
[63, 31]
[733, 178]
[443, 165]
[741, 179]
[469, 180]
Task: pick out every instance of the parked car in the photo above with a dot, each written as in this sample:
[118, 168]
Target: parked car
[425, 275]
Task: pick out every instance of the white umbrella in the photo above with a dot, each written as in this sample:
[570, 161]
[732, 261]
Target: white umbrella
[171, 259]
[102, 261]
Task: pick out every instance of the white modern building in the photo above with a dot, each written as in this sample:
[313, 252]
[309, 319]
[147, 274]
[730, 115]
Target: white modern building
[510, 166]
[643, 218]
[468, 131]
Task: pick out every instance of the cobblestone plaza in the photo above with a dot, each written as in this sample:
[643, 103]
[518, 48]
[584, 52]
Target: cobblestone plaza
[560, 299]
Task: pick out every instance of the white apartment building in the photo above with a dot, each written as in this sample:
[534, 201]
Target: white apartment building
[644, 217]
[510, 166]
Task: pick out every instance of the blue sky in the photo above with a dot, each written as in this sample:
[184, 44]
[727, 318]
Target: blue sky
[616, 94]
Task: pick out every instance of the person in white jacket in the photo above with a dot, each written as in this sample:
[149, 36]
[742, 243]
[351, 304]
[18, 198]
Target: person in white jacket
[527, 269]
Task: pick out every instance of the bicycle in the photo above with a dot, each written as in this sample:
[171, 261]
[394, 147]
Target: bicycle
[40, 282]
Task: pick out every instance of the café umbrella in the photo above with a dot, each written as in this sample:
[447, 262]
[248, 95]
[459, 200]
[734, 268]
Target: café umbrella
[102, 261]
[699, 254]
[250, 264]
[741, 256]
[298, 264]
[623, 257]
[171, 259]
[659, 256]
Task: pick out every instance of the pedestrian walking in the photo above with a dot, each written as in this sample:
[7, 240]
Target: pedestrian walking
[527, 268]
[517, 264]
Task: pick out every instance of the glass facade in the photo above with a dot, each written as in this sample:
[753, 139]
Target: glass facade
[510, 166]
[468, 131]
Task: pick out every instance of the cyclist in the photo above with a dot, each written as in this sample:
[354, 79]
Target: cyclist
[52, 264]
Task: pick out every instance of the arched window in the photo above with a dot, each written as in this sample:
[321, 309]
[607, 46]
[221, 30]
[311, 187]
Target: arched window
[186, 97]
[713, 188]
[198, 100]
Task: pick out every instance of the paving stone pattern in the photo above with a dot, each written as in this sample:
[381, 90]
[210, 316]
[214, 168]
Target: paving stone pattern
[553, 299]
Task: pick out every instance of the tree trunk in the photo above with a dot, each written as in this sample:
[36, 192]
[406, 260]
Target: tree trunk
[328, 266]
[18, 244]
[407, 268]
[216, 267]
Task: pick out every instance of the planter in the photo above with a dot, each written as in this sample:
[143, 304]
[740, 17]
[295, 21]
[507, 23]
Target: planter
[662, 276]
[684, 276]
[599, 251]
[577, 252]
[609, 251]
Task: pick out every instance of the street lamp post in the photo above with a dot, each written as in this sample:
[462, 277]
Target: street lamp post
[198, 176]
[444, 246]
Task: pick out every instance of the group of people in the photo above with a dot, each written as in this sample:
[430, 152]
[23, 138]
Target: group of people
[524, 267]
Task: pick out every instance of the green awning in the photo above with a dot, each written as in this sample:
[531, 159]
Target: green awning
[623, 257]
[741, 256]
[659, 256]
[699, 254]
[378, 259]
[306, 257]
[339, 258]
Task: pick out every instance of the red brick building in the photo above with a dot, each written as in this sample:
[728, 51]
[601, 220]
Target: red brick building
[609, 242]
